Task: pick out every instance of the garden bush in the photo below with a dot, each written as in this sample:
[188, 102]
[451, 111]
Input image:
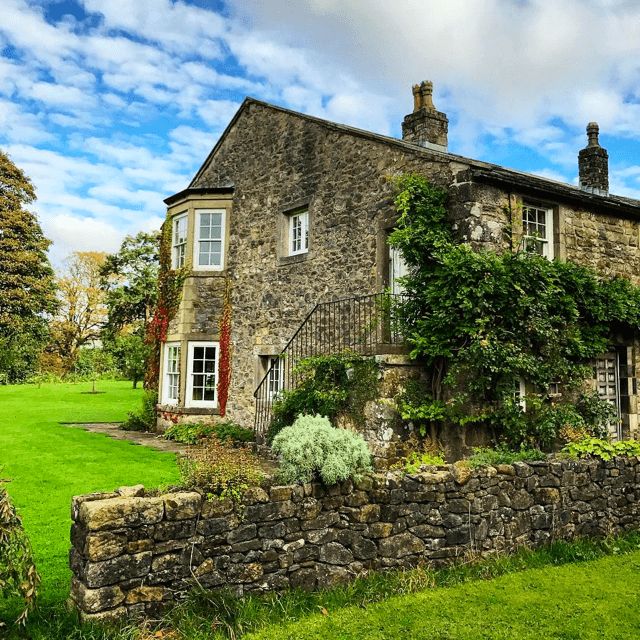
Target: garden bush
[193, 433]
[311, 448]
[601, 448]
[219, 470]
[18, 575]
[414, 460]
[145, 418]
[484, 457]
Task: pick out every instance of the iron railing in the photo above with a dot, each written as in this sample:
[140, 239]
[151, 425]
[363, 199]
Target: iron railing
[362, 325]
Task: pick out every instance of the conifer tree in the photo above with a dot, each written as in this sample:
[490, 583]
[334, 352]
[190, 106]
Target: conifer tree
[27, 288]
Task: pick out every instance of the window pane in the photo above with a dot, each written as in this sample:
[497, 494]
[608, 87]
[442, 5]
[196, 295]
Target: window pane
[198, 353]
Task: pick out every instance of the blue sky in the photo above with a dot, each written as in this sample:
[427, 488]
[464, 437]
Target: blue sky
[112, 105]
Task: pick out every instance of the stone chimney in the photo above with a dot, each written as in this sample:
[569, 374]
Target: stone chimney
[425, 126]
[593, 164]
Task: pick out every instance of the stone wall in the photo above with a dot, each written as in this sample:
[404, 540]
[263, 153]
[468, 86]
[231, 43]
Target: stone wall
[135, 555]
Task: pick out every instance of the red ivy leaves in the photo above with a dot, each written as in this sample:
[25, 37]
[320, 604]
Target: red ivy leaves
[224, 362]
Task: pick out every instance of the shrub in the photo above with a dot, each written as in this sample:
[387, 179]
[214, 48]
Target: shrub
[601, 448]
[413, 462]
[193, 433]
[484, 457]
[219, 470]
[312, 447]
[328, 386]
[18, 575]
[145, 418]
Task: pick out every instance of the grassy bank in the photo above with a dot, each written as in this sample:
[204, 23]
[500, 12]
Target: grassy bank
[595, 600]
[48, 463]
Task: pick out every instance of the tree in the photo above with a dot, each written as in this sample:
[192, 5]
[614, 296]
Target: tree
[27, 287]
[130, 281]
[82, 311]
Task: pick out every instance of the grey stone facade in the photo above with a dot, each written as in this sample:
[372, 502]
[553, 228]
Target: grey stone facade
[272, 164]
[134, 555]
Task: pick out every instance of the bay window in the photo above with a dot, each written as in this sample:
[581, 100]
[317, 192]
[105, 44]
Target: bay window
[171, 370]
[179, 241]
[209, 239]
[202, 375]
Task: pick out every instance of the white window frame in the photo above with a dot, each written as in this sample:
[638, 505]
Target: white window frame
[171, 373]
[397, 269]
[189, 401]
[178, 243]
[197, 240]
[520, 393]
[298, 240]
[275, 371]
[543, 243]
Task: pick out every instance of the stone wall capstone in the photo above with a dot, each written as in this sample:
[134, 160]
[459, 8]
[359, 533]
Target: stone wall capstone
[135, 555]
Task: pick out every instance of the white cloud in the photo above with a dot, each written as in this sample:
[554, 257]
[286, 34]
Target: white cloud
[155, 82]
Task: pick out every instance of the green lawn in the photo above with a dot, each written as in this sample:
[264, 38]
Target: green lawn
[591, 600]
[49, 463]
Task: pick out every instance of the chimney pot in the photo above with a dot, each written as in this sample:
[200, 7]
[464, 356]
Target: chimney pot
[593, 164]
[425, 127]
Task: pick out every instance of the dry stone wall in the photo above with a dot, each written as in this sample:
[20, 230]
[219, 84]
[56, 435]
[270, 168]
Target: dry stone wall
[135, 555]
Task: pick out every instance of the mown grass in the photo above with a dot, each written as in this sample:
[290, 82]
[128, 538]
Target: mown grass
[598, 599]
[48, 463]
[586, 589]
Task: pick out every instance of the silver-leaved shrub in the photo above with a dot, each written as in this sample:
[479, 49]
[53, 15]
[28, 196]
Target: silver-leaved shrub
[312, 447]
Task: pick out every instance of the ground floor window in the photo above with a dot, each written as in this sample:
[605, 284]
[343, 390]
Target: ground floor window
[275, 376]
[397, 269]
[171, 382]
[608, 386]
[202, 378]
[271, 366]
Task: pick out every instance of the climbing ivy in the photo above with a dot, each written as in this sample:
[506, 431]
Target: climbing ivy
[226, 349]
[170, 284]
[482, 320]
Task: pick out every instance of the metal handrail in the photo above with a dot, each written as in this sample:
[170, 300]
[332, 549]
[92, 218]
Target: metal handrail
[361, 324]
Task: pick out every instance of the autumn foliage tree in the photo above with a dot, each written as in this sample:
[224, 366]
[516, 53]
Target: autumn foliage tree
[27, 288]
[82, 312]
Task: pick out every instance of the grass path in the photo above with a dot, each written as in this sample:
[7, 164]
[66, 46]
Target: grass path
[49, 463]
[592, 600]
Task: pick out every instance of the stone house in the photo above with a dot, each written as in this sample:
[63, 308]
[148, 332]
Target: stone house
[290, 211]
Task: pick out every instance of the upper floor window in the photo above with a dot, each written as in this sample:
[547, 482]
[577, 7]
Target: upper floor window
[209, 238]
[179, 241]
[298, 233]
[537, 229]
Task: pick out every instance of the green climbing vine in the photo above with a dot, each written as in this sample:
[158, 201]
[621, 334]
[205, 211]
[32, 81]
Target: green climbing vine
[483, 321]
